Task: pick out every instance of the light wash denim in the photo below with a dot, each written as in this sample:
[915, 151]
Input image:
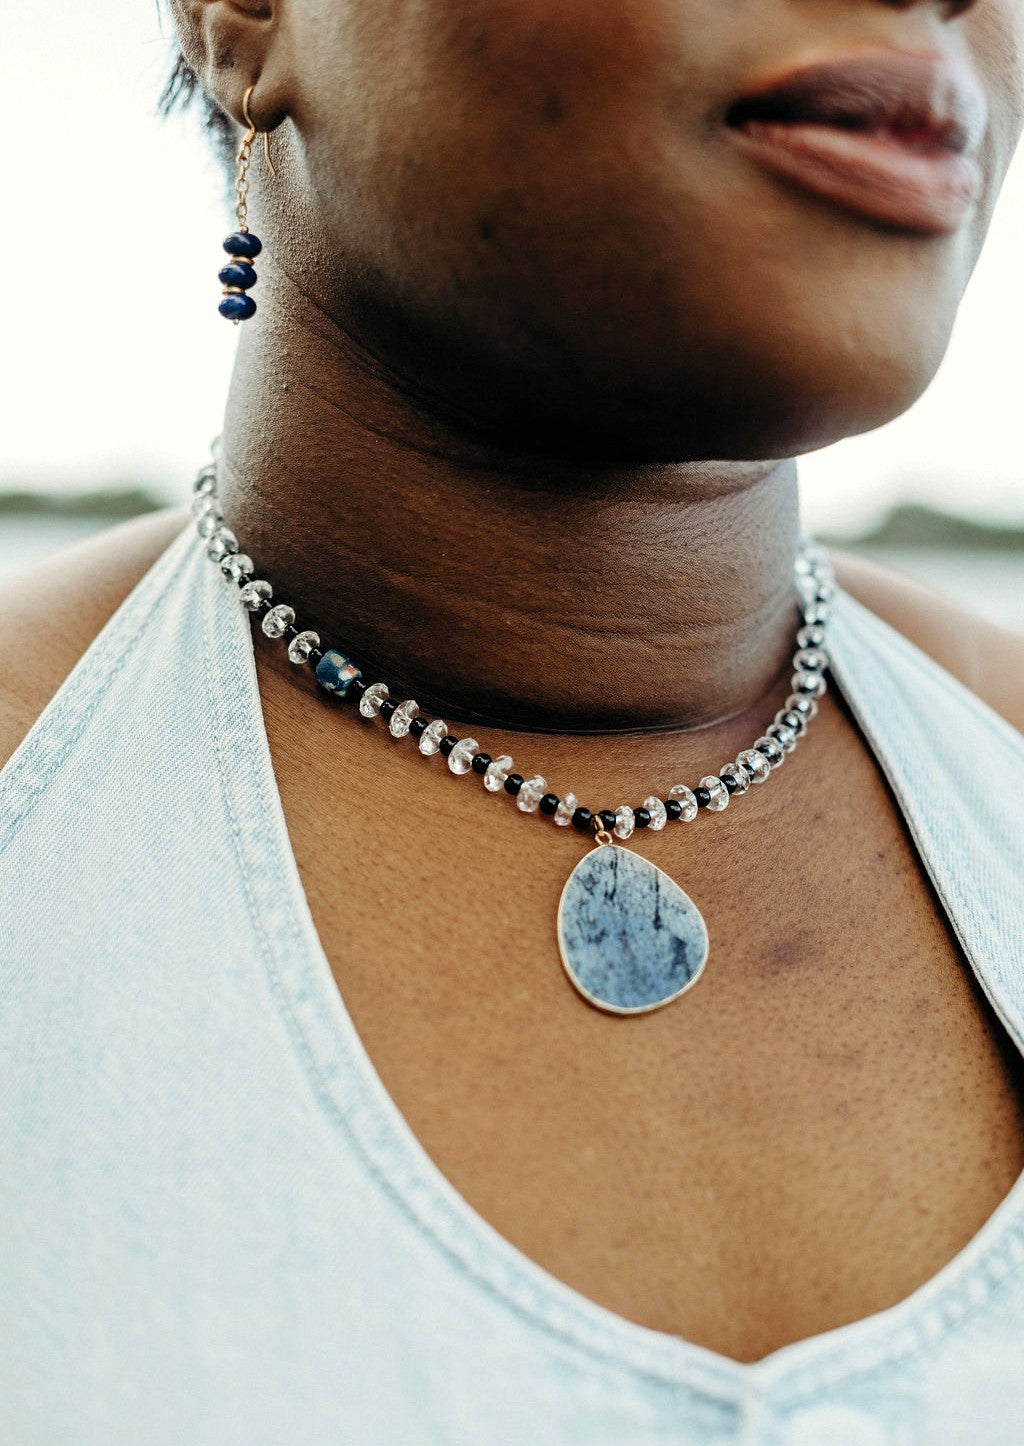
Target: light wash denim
[216, 1227]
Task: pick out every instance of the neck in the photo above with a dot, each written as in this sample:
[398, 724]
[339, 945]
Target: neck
[524, 591]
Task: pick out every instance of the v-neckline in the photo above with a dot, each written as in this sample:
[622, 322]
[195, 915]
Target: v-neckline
[348, 1086]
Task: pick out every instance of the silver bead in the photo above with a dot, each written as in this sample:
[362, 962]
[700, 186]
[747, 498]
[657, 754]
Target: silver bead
[738, 774]
[278, 620]
[253, 593]
[460, 759]
[810, 660]
[565, 810]
[497, 771]
[718, 791]
[687, 801]
[816, 612]
[373, 697]
[772, 750]
[625, 822]
[430, 738]
[236, 566]
[205, 484]
[782, 734]
[529, 796]
[302, 645]
[222, 542]
[804, 704]
[811, 637]
[755, 762]
[655, 807]
[402, 717]
[812, 683]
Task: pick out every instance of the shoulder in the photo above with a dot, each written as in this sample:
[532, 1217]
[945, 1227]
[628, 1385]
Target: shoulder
[987, 659]
[61, 603]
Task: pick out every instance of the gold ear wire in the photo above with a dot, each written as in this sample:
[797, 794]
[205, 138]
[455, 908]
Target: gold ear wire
[253, 132]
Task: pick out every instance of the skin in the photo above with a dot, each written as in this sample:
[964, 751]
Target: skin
[535, 350]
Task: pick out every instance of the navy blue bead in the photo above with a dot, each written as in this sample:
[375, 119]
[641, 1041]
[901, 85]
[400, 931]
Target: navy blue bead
[243, 243]
[237, 307]
[237, 273]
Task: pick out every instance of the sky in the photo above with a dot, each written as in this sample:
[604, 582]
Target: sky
[115, 362]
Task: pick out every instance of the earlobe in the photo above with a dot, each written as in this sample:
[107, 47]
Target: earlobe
[231, 45]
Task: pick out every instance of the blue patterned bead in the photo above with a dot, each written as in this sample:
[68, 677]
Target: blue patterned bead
[335, 673]
[237, 307]
[243, 243]
[237, 273]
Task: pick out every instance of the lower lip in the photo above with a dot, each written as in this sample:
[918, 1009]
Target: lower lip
[870, 172]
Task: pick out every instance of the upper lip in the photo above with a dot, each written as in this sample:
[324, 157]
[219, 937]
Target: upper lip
[930, 101]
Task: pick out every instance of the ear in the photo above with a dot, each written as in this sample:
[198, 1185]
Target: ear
[231, 45]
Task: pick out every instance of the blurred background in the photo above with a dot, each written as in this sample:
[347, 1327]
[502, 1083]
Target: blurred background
[115, 361]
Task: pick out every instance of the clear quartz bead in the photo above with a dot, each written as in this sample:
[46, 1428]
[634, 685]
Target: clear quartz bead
[793, 720]
[529, 796]
[782, 734]
[460, 759]
[812, 683]
[255, 592]
[497, 771]
[373, 697]
[278, 620]
[755, 761]
[810, 660]
[655, 807]
[718, 791]
[738, 775]
[803, 703]
[687, 801]
[772, 750]
[222, 542]
[402, 717]
[236, 566]
[208, 524]
[430, 738]
[625, 822]
[203, 504]
[302, 645]
[811, 637]
[565, 810]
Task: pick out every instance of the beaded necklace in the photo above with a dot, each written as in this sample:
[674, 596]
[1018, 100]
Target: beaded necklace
[631, 940]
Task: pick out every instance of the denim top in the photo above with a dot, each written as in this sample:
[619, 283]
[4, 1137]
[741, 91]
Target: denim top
[215, 1225]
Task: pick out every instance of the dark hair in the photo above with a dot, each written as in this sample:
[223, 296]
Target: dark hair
[182, 91]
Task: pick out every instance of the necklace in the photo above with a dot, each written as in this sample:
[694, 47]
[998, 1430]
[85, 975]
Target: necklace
[630, 939]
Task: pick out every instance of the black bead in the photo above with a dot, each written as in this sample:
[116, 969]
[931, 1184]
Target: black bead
[703, 797]
[641, 817]
[358, 687]
[673, 807]
[290, 632]
[481, 762]
[549, 803]
[513, 783]
[388, 707]
[729, 782]
[418, 727]
[448, 742]
[607, 819]
[314, 656]
[582, 819]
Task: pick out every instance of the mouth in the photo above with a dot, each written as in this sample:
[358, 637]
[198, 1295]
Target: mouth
[887, 135]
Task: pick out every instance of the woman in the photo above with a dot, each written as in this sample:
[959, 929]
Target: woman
[549, 300]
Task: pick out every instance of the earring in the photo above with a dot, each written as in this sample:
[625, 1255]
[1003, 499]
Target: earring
[242, 246]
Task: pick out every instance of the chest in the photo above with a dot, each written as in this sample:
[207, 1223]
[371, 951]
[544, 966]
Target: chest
[812, 1131]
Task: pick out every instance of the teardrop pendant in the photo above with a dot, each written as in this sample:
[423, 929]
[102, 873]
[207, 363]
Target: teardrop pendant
[631, 940]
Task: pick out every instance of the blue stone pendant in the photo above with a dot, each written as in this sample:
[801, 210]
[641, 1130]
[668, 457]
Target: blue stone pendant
[630, 939]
